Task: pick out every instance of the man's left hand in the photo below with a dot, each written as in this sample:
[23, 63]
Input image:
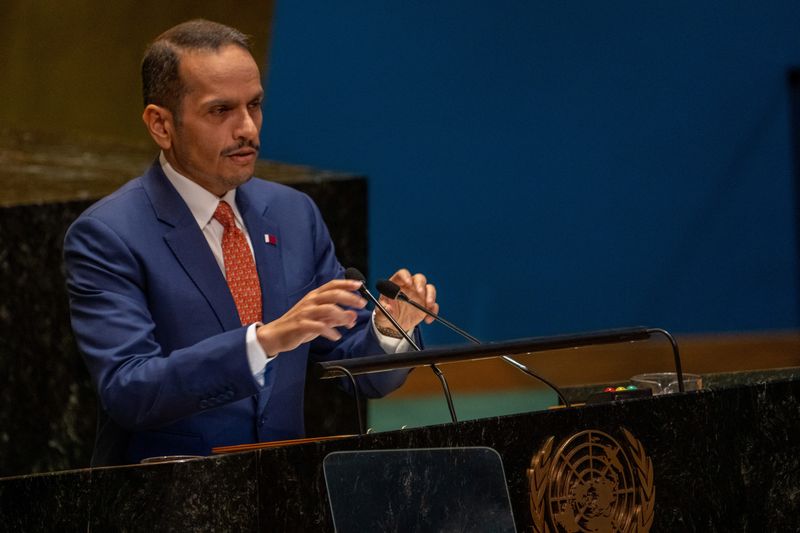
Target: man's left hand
[417, 288]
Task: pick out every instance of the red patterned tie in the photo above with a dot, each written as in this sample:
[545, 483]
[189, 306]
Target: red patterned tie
[240, 268]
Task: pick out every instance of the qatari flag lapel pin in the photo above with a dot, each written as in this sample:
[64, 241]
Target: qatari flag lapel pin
[270, 239]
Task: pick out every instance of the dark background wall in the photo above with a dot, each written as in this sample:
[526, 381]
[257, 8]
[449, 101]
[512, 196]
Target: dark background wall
[557, 166]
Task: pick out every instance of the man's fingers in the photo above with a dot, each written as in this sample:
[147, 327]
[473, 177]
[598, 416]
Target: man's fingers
[419, 281]
[402, 277]
[433, 309]
[331, 334]
[339, 297]
[422, 292]
[317, 314]
[337, 291]
[415, 284]
[430, 296]
[346, 284]
[311, 329]
[331, 315]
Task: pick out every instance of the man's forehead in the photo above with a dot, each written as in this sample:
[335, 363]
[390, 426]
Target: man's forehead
[230, 65]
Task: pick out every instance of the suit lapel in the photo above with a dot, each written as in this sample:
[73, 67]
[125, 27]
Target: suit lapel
[190, 247]
[269, 264]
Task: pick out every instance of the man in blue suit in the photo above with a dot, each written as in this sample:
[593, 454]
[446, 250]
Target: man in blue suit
[197, 293]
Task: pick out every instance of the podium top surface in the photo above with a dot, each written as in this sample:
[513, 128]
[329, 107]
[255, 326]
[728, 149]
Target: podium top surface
[384, 362]
[47, 167]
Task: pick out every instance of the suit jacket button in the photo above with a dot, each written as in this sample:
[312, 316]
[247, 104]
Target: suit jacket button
[203, 404]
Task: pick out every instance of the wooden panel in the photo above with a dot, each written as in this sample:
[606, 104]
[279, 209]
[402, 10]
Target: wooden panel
[700, 354]
[74, 66]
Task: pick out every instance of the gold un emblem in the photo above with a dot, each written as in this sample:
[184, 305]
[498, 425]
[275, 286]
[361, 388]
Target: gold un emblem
[592, 484]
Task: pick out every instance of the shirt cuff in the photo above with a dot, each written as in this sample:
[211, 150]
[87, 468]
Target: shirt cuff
[256, 357]
[390, 344]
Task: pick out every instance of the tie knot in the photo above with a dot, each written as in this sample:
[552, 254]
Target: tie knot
[224, 215]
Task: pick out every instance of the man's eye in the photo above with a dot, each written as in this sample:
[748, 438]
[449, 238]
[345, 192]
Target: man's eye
[255, 104]
[218, 110]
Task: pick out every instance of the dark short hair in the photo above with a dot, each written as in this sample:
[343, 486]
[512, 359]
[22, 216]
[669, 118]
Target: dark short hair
[161, 81]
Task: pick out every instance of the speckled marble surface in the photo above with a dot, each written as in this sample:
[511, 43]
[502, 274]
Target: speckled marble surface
[716, 381]
[47, 404]
[724, 460]
[43, 167]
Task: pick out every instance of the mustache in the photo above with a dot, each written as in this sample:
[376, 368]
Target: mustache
[241, 144]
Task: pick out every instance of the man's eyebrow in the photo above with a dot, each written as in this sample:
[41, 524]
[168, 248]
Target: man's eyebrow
[228, 103]
[218, 102]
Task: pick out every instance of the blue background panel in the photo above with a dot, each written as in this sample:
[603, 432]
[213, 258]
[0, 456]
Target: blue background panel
[557, 166]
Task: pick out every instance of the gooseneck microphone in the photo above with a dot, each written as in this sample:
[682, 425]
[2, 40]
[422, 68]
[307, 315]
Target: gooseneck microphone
[392, 291]
[355, 274]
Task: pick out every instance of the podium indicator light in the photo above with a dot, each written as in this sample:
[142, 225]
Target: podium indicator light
[618, 394]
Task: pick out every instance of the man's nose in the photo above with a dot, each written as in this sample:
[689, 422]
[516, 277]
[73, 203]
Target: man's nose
[246, 128]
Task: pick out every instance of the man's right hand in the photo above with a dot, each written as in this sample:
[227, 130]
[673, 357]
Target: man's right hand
[317, 314]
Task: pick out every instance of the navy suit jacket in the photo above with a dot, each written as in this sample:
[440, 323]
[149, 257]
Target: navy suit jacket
[158, 327]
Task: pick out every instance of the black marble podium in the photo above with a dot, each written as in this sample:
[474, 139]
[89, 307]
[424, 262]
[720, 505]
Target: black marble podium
[723, 459]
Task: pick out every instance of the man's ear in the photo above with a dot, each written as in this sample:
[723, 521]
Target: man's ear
[160, 124]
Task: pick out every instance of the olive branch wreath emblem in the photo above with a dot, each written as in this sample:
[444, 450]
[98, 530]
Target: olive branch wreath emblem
[542, 467]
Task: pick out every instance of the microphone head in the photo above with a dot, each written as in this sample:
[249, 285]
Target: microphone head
[354, 274]
[388, 288]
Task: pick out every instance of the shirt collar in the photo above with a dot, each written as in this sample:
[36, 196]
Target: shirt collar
[201, 202]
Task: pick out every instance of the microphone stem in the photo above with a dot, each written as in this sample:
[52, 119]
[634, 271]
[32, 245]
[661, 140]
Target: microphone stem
[355, 395]
[352, 273]
[368, 295]
[447, 394]
[513, 362]
[525, 370]
[443, 321]
[435, 368]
